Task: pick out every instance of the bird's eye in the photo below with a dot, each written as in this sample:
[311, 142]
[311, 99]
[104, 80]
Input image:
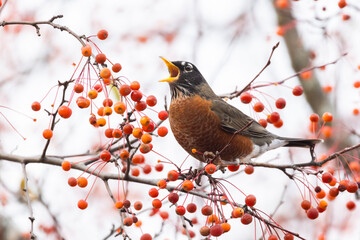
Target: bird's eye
[188, 68]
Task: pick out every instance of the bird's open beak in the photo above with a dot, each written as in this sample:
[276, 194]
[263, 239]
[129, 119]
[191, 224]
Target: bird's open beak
[173, 70]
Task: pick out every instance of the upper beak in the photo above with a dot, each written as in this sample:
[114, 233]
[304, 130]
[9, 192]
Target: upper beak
[173, 70]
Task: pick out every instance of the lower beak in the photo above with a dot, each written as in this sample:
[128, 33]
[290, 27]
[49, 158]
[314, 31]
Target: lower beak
[173, 70]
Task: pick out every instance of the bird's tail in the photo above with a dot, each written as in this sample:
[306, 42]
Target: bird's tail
[301, 142]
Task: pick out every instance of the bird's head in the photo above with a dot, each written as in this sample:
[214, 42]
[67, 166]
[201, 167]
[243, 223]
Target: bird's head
[186, 80]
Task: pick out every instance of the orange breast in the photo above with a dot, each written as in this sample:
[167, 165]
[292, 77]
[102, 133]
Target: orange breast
[194, 125]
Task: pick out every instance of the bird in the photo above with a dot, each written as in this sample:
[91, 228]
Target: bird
[203, 122]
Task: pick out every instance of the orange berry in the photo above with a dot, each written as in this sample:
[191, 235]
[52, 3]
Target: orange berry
[282, 4]
[102, 34]
[327, 131]
[137, 132]
[82, 204]
[119, 107]
[342, 3]
[135, 85]
[47, 134]
[145, 121]
[213, 219]
[35, 106]
[138, 159]
[107, 111]
[237, 212]
[162, 184]
[82, 102]
[101, 122]
[117, 133]
[156, 203]
[280, 31]
[357, 84]
[105, 73]
[100, 58]
[92, 94]
[210, 168]
[138, 205]
[153, 192]
[105, 155]
[86, 50]
[356, 111]
[321, 194]
[146, 138]
[116, 67]
[163, 115]
[135, 172]
[278, 124]
[327, 117]
[82, 182]
[306, 75]
[108, 133]
[188, 185]
[272, 237]
[64, 111]
[66, 165]
[128, 221]
[327, 88]
[119, 204]
[162, 131]
[164, 215]
[78, 88]
[173, 175]
[124, 154]
[323, 204]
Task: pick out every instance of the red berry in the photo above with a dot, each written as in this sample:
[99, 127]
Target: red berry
[258, 107]
[35, 106]
[151, 100]
[263, 122]
[140, 106]
[105, 156]
[163, 115]
[326, 177]
[102, 34]
[82, 204]
[191, 207]
[216, 230]
[297, 91]
[136, 95]
[246, 219]
[249, 169]
[305, 204]
[312, 213]
[350, 205]
[173, 197]
[153, 192]
[173, 175]
[146, 236]
[250, 200]
[162, 131]
[78, 88]
[100, 58]
[274, 117]
[245, 97]
[233, 168]
[180, 210]
[352, 187]
[289, 236]
[116, 67]
[280, 103]
[206, 210]
[314, 118]
[124, 90]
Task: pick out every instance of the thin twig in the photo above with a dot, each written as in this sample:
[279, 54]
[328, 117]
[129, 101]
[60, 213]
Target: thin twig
[26, 191]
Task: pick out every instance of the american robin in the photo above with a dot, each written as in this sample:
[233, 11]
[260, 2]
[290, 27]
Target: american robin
[201, 120]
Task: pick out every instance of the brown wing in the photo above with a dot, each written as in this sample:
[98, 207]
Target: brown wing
[232, 120]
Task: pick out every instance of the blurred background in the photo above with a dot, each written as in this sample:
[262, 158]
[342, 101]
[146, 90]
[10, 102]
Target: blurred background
[230, 43]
